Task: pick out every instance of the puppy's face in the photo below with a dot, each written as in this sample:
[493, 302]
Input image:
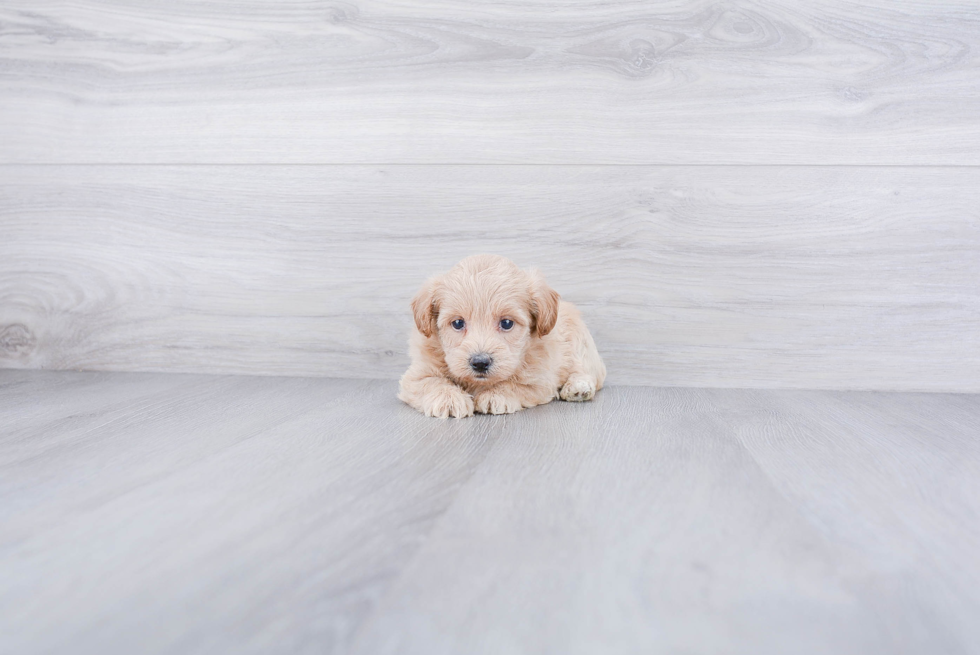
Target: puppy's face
[484, 335]
[485, 313]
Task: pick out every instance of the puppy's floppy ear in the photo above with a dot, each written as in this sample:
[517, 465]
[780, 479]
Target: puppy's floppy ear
[544, 304]
[425, 309]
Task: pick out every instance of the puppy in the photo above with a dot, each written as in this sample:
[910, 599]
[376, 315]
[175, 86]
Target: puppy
[493, 339]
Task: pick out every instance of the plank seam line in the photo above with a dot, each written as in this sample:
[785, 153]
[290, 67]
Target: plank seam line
[474, 165]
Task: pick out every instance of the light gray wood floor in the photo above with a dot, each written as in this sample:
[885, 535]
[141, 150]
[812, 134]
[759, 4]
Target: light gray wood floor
[158, 513]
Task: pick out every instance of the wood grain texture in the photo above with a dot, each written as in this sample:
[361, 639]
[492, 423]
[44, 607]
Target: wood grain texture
[160, 513]
[699, 276]
[669, 520]
[683, 81]
[155, 513]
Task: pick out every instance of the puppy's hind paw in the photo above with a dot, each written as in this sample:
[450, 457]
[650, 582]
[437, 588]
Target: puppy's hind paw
[446, 402]
[577, 388]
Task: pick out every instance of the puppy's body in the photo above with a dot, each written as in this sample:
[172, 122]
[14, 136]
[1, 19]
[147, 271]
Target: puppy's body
[494, 339]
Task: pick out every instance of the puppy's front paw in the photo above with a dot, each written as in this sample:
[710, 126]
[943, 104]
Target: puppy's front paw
[578, 388]
[447, 401]
[495, 402]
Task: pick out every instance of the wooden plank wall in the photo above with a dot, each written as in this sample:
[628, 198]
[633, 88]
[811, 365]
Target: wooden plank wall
[760, 194]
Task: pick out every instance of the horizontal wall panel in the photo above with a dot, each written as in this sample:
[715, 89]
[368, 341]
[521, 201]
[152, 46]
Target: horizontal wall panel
[705, 276]
[676, 82]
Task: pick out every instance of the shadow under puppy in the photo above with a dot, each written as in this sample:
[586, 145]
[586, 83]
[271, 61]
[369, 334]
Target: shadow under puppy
[495, 339]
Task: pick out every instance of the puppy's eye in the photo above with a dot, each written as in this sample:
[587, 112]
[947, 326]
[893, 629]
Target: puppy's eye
[506, 324]
[458, 324]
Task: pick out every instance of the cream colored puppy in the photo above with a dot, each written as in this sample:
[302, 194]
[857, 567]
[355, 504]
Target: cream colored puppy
[494, 339]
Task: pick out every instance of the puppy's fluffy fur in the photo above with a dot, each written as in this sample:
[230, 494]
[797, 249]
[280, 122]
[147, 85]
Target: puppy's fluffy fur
[462, 318]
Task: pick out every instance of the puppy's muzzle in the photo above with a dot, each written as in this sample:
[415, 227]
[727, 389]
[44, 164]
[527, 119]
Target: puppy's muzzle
[480, 362]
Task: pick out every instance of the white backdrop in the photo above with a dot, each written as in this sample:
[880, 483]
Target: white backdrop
[738, 194]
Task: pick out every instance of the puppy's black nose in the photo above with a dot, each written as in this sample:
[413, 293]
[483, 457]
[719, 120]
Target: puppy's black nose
[480, 362]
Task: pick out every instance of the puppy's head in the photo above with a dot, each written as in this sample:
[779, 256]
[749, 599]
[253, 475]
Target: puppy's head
[485, 312]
